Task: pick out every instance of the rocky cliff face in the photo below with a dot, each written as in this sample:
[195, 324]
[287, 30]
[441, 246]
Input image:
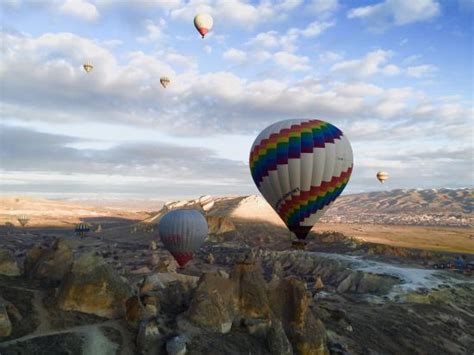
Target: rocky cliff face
[246, 302]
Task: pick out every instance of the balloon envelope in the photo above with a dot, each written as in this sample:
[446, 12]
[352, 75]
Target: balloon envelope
[203, 23]
[182, 232]
[82, 227]
[23, 219]
[88, 67]
[164, 81]
[382, 176]
[300, 167]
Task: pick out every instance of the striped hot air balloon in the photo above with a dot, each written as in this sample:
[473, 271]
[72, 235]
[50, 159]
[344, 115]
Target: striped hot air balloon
[23, 220]
[300, 167]
[82, 229]
[164, 81]
[182, 232]
[382, 176]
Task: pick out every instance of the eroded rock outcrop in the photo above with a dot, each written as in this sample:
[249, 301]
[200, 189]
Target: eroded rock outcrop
[252, 300]
[49, 264]
[93, 287]
[8, 264]
[5, 324]
[290, 303]
[219, 225]
[212, 306]
[277, 313]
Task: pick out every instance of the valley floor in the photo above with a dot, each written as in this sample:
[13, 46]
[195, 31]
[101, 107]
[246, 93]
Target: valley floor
[440, 239]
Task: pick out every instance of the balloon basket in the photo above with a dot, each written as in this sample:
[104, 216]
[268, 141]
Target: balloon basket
[298, 245]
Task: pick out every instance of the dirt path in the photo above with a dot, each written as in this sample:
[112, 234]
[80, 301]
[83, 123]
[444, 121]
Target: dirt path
[43, 316]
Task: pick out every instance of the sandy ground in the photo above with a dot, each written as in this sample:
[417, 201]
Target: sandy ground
[419, 237]
[252, 210]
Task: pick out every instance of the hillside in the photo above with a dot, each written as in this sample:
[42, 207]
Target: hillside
[431, 207]
[44, 212]
[452, 207]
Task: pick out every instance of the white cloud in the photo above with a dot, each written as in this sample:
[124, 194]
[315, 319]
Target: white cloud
[288, 5]
[396, 12]
[367, 66]
[11, 4]
[273, 40]
[391, 70]
[154, 31]
[358, 89]
[393, 102]
[316, 28]
[265, 39]
[236, 13]
[80, 8]
[329, 56]
[322, 6]
[291, 61]
[235, 55]
[287, 42]
[421, 71]
[411, 59]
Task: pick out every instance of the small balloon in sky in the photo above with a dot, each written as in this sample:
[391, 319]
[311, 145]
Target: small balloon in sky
[88, 67]
[164, 81]
[203, 23]
[382, 176]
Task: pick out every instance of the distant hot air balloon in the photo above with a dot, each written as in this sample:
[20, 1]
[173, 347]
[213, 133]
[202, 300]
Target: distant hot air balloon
[23, 220]
[164, 81]
[382, 176]
[88, 67]
[203, 23]
[182, 232]
[300, 167]
[82, 229]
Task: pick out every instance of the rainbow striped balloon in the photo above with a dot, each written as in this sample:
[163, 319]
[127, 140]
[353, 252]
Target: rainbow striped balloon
[301, 167]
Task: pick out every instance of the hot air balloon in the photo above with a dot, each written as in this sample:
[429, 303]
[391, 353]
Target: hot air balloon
[23, 220]
[182, 232]
[164, 81]
[88, 67]
[300, 167]
[203, 23]
[82, 229]
[382, 176]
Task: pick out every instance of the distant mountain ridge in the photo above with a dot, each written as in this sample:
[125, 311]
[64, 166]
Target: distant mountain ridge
[413, 206]
[412, 200]
[429, 207]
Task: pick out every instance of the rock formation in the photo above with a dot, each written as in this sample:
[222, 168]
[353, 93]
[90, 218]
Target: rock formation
[8, 264]
[93, 287]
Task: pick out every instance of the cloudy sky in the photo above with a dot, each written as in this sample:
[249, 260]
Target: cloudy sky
[395, 75]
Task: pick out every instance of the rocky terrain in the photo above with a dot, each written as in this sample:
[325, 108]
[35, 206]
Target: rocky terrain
[117, 291]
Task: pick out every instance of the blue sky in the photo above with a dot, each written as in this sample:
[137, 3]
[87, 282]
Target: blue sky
[394, 75]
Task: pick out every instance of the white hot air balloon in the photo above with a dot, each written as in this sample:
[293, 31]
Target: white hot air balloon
[382, 176]
[88, 67]
[300, 167]
[203, 23]
[182, 232]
